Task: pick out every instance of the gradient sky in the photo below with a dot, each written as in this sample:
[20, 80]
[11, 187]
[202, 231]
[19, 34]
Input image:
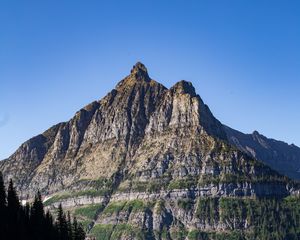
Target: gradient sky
[243, 58]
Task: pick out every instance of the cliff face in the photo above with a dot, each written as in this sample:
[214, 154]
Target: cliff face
[147, 147]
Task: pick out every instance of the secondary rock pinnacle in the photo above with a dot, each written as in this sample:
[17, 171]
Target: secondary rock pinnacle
[139, 71]
[184, 87]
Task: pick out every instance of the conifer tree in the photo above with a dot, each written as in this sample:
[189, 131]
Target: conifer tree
[62, 225]
[30, 222]
[78, 231]
[13, 214]
[37, 217]
[75, 228]
[69, 224]
[50, 230]
[26, 232]
[13, 203]
[2, 193]
[3, 202]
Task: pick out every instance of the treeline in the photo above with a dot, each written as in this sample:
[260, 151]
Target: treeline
[31, 222]
[249, 218]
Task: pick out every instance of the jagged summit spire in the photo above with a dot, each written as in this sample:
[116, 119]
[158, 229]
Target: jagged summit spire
[139, 71]
[184, 87]
[138, 74]
[139, 67]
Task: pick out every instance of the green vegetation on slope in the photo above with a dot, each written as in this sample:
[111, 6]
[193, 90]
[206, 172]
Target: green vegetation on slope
[89, 211]
[130, 206]
[115, 232]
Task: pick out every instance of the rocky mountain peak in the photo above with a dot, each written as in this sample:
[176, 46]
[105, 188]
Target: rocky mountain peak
[184, 87]
[255, 133]
[139, 72]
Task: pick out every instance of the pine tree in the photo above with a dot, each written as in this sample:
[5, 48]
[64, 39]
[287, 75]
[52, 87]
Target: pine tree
[24, 219]
[2, 193]
[26, 232]
[50, 230]
[75, 228]
[13, 212]
[79, 233]
[27, 210]
[30, 222]
[69, 224]
[13, 203]
[62, 225]
[3, 210]
[37, 217]
[37, 209]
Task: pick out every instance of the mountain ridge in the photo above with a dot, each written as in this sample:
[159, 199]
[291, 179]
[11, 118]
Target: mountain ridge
[279, 155]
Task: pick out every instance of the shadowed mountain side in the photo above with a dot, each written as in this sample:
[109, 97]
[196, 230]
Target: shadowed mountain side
[279, 155]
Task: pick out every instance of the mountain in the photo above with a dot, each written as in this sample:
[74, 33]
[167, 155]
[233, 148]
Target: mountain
[147, 162]
[103, 138]
[279, 155]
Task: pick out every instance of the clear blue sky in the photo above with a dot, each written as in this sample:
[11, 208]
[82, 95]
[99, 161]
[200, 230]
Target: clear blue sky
[57, 56]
